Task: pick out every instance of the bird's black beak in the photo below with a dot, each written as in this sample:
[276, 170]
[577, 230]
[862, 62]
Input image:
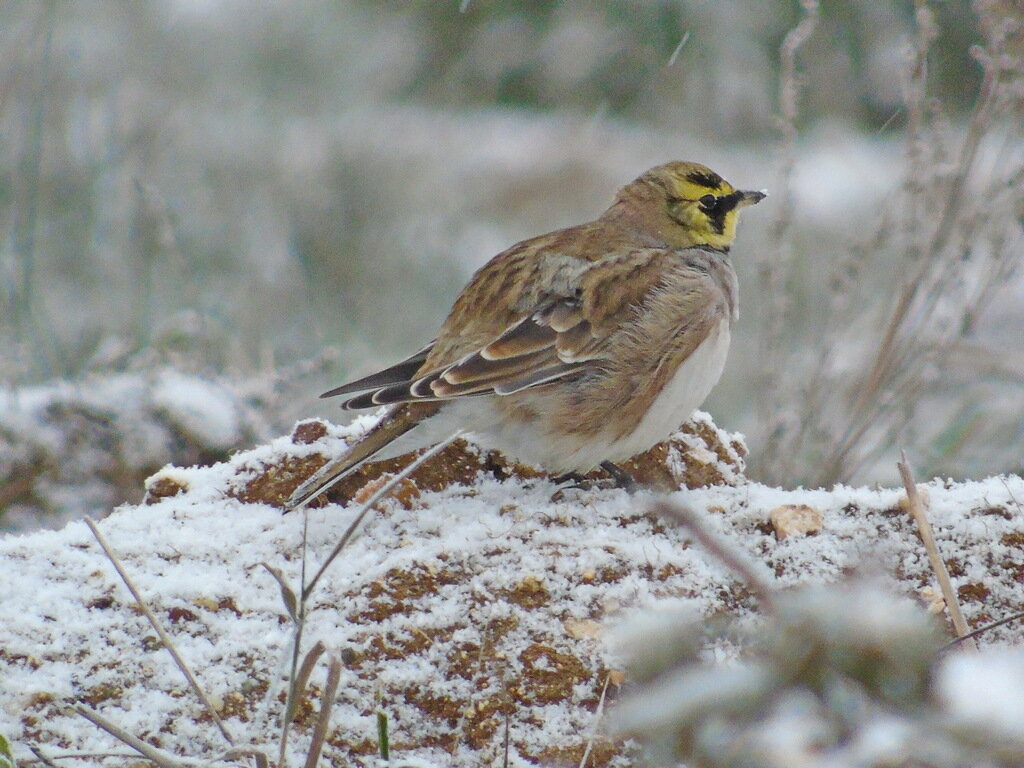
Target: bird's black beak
[749, 197]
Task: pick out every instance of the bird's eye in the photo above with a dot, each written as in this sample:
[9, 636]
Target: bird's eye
[707, 201]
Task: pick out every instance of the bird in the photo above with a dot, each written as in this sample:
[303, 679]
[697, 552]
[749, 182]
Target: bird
[575, 349]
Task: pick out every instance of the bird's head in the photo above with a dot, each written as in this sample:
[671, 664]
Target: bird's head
[690, 204]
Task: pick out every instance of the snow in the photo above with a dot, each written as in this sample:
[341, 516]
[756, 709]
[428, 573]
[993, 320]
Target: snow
[443, 609]
[200, 408]
[81, 447]
[984, 691]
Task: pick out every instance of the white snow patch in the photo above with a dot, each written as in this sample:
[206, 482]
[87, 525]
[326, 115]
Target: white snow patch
[985, 690]
[68, 626]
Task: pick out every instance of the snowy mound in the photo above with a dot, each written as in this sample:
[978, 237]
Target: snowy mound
[69, 449]
[471, 609]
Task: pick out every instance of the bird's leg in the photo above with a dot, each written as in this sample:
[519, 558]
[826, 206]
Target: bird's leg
[569, 477]
[572, 481]
[622, 478]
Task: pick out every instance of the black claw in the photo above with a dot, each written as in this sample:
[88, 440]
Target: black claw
[568, 477]
[622, 478]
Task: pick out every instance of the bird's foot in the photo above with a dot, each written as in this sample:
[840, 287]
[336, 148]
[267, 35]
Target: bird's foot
[621, 477]
[574, 481]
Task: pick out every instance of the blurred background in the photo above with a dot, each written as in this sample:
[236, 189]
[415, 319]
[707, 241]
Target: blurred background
[213, 211]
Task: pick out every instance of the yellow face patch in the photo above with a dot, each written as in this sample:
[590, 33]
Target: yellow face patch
[693, 184]
[706, 205]
[703, 204]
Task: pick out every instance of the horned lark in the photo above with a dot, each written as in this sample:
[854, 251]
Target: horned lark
[577, 348]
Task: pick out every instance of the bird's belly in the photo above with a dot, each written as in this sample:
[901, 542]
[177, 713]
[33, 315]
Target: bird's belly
[679, 398]
[539, 442]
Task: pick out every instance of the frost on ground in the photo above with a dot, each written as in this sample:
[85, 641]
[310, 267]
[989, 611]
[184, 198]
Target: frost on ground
[68, 449]
[471, 606]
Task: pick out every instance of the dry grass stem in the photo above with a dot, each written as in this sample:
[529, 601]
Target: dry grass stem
[934, 557]
[323, 721]
[370, 503]
[247, 750]
[296, 685]
[597, 721]
[301, 679]
[686, 517]
[45, 759]
[165, 639]
[982, 630]
[149, 752]
[75, 756]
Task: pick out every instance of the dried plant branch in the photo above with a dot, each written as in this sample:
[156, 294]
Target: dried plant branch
[27, 308]
[934, 557]
[148, 751]
[370, 503]
[323, 721]
[686, 517]
[770, 264]
[165, 639]
[956, 243]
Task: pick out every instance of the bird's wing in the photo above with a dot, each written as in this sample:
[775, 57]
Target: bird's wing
[552, 343]
[559, 337]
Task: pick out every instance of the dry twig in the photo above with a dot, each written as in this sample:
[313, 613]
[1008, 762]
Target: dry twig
[938, 566]
[686, 517]
[165, 639]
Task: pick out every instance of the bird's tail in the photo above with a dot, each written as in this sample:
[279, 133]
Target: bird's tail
[391, 427]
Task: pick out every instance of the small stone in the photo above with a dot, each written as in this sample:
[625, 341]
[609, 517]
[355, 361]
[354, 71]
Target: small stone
[934, 602]
[582, 628]
[616, 677]
[796, 520]
[161, 486]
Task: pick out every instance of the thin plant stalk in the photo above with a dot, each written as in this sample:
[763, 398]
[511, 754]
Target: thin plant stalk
[165, 639]
[934, 558]
[324, 719]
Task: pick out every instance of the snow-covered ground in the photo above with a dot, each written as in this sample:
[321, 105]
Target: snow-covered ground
[458, 613]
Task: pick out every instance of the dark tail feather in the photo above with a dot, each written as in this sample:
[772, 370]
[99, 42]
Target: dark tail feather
[393, 426]
[396, 374]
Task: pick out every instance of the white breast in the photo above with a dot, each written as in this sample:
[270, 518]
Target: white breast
[681, 396]
[534, 443]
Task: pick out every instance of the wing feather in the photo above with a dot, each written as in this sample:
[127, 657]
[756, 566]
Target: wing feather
[563, 337]
[538, 377]
[524, 337]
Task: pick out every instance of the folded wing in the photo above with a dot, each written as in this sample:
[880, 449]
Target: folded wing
[561, 337]
[554, 343]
